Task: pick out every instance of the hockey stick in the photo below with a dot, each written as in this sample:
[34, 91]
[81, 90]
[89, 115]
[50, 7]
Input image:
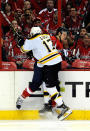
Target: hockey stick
[14, 31]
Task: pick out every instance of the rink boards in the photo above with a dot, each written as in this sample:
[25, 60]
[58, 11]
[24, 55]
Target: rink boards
[74, 87]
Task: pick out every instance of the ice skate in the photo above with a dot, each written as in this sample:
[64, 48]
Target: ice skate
[19, 102]
[65, 112]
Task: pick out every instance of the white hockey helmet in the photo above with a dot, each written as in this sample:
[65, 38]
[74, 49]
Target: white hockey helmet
[35, 30]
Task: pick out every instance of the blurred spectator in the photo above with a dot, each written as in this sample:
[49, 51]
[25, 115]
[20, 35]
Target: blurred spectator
[83, 50]
[37, 22]
[52, 26]
[80, 5]
[9, 15]
[73, 23]
[47, 14]
[38, 4]
[83, 32]
[68, 9]
[18, 15]
[27, 22]
[13, 52]
[65, 9]
[27, 5]
[80, 37]
[16, 4]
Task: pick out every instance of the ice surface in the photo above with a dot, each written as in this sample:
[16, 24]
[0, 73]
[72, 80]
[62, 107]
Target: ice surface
[44, 125]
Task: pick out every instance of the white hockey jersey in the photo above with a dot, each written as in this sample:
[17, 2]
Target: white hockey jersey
[42, 49]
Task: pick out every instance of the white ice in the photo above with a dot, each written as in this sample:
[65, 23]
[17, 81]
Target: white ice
[44, 125]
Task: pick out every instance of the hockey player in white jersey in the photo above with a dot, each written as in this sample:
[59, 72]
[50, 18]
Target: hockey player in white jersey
[49, 59]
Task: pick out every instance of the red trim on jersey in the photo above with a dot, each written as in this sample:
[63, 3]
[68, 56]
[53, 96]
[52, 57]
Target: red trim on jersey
[56, 42]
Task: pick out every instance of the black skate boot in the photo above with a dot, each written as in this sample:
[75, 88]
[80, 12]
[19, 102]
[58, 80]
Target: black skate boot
[65, 112]
[47, 108]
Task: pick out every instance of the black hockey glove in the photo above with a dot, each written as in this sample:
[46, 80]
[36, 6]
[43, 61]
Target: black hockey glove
[20, 41]
[30, 54]
[70, 59]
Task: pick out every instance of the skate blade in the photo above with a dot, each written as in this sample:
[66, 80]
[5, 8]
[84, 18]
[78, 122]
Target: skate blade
[65, 115]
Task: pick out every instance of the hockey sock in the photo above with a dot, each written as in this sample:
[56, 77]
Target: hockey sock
[26, 93]
[48, 100]
[46, 94]
[46, 97]
[53, 103]
[55, 95]
[59, 100]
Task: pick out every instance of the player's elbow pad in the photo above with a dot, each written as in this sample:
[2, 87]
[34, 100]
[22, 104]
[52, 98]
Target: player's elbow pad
[21, 42]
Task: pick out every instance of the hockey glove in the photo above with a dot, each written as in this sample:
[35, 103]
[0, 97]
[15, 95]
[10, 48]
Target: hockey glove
[20, 41]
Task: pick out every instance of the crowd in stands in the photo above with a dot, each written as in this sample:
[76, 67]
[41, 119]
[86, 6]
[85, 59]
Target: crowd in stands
[72, 38]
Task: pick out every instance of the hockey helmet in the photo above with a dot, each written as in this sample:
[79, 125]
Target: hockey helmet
[35, 30]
